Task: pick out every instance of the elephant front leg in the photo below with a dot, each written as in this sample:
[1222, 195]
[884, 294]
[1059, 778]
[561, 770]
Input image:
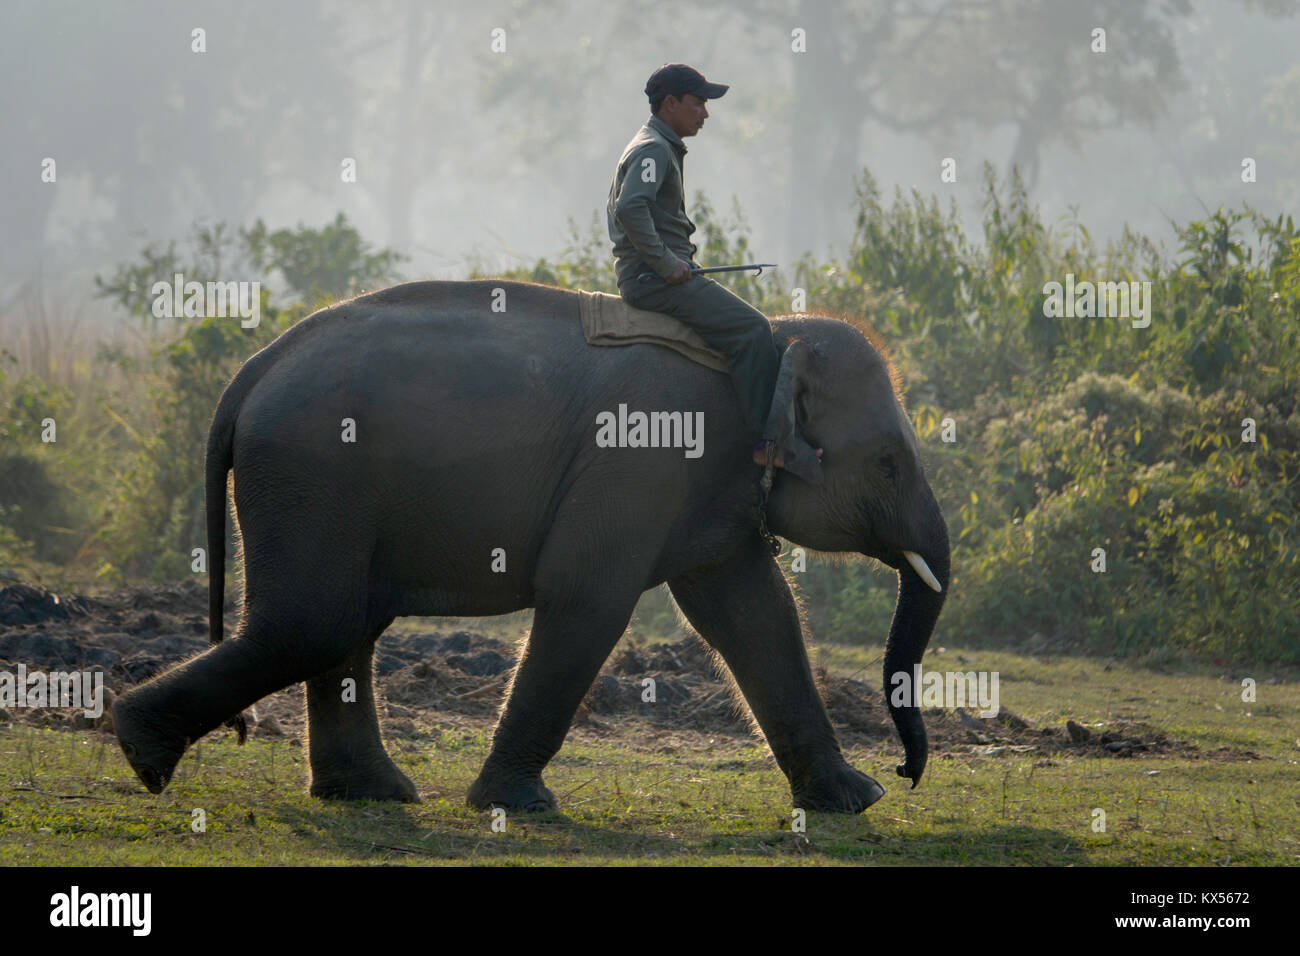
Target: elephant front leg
[346, 752]
[744, 609]
[566, 649]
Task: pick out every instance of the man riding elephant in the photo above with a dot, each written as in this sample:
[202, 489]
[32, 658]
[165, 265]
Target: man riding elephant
[653, 252]
[418, 451]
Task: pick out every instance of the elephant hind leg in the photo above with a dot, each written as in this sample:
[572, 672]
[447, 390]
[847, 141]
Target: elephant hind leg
[345, 750]
[156, 721]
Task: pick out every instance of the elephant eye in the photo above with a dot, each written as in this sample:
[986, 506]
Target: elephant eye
[888, 466]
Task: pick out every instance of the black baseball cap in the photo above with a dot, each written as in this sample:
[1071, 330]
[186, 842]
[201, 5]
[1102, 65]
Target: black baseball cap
[678, 79]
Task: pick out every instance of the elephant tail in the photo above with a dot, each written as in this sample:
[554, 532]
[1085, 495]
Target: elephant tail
[220, 459]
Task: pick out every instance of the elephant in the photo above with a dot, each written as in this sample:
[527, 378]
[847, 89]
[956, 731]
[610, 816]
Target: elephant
[471, 483]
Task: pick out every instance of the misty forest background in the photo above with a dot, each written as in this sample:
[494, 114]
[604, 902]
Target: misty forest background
[1071, 433]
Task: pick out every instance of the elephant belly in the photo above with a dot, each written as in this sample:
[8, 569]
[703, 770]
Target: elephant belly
[453, 552]
[436, 602]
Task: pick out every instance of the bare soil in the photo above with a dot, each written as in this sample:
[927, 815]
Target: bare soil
[438, 680]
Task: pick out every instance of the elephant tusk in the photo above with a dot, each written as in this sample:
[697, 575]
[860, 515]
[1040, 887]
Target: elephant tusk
[920, 567]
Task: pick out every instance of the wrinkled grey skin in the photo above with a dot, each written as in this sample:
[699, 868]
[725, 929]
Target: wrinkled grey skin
[476, 431]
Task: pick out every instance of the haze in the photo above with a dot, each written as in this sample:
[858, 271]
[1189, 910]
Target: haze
[470, 156]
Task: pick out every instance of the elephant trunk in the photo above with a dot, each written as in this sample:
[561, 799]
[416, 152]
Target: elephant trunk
[919, 604]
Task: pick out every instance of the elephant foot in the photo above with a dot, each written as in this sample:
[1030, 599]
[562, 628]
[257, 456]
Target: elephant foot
[846, 790]
[386, 784]
[152, 750]
[528, 794]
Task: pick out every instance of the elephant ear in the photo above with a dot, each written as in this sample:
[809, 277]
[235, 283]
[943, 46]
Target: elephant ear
[783, 417]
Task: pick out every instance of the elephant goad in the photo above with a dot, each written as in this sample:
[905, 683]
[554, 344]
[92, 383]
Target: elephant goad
[413, 451]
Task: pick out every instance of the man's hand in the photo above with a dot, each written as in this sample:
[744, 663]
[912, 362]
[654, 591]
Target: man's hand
[681, 272]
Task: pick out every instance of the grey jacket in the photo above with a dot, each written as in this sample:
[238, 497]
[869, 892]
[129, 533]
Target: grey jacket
[646, 211]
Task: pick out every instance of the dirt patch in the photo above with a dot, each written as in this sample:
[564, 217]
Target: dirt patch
[438, 680]
[24, 604]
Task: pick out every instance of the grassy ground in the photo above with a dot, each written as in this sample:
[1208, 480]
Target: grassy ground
[630, 795]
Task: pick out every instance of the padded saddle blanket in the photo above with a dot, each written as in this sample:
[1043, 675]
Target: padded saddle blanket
[608, 320]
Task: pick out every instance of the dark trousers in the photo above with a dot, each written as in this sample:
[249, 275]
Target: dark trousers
[729, 325]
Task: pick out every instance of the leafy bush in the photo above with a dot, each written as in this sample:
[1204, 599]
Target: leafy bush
[36, 512]
[156, 516]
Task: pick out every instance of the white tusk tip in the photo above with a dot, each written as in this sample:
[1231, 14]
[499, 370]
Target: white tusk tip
[923, 570]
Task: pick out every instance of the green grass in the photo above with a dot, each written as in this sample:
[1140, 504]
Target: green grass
[629, 798]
